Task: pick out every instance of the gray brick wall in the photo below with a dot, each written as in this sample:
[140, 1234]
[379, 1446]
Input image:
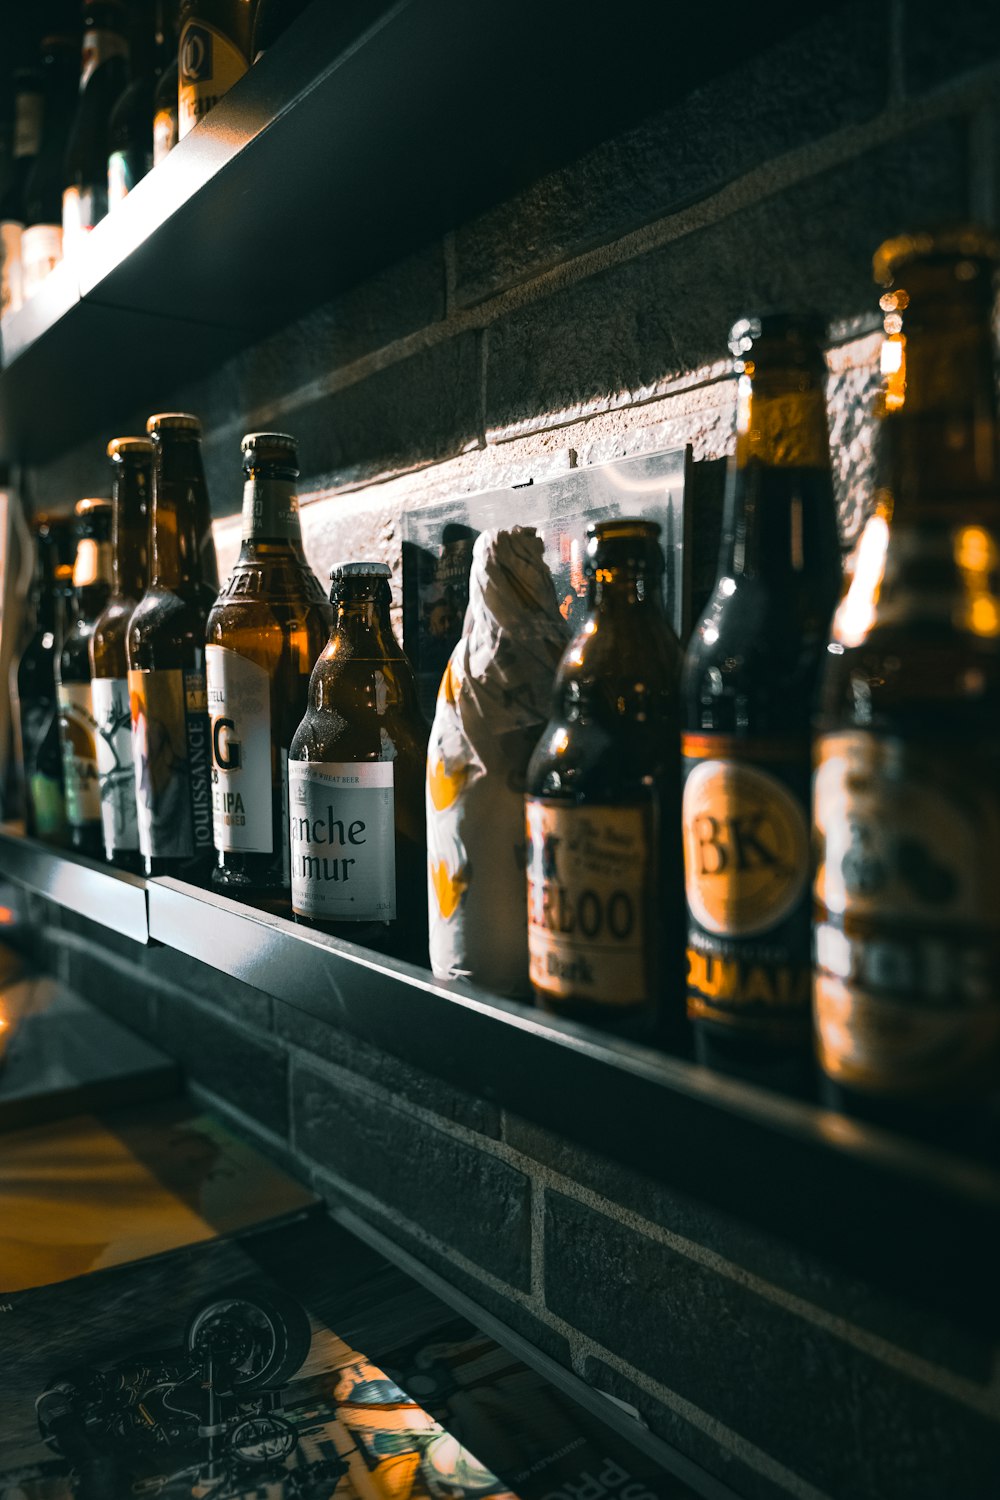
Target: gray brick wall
[580, 322]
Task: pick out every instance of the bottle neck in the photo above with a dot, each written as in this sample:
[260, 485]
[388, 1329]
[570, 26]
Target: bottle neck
[44, 589]
[183, 552]
[92, 573]
[130, 532]
[102, 40]
[363, 617]
[624, 591]
[939, 439]
[271, 510]
[779, 477]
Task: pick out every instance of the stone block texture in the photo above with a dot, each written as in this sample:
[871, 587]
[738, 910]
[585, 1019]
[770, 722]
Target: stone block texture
[580, 322]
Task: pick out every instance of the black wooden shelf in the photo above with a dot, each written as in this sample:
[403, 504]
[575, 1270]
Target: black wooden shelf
[369, 129]
[914, 1220]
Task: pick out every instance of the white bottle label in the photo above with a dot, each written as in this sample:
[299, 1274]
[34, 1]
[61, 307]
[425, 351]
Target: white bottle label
[164, 134]
[114, 763]
[239, 706]
[78, 736]
[41, 251]
[170, 744]
[342, 835]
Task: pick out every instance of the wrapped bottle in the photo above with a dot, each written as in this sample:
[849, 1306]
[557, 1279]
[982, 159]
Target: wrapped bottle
[492, 706]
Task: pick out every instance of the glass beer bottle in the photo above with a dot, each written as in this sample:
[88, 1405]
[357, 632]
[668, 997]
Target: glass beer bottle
[748, 688]
[605, 913]
[356, 779]
[166, 661]
[213, 54]
[38, 712]
[906, 793]
[132, 464]
[267, 627]
[77, 724]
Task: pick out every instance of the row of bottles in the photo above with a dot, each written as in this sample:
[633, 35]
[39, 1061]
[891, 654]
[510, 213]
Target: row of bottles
[82, 125]
[793, 822]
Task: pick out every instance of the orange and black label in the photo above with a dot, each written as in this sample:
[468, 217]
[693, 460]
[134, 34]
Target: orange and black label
[746, 875]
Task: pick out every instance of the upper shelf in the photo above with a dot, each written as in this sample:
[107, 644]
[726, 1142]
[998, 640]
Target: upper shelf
[370, 128]
[915, 1220]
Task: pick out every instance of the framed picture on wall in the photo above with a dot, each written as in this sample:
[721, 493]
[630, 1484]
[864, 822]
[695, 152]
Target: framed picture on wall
[438, 542]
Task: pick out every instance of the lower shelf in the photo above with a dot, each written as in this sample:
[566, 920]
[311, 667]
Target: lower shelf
[916, 1220]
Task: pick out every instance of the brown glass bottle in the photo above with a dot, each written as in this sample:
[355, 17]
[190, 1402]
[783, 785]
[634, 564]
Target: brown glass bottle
[356, 779]
[268, 626]
[214, 53]
[132, 466]
[605, 900]
[166, 661]
[749, 687]
[77, 724]
[906, 800]
[38, 712]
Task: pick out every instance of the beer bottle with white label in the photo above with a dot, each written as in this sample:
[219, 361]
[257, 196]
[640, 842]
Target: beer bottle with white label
[41, 243]
[77, 724]
[27, 140]
[268, 626]
[749, 685]
[166, 661]
[356, 779]
[132, 467]
[103, 77]
[38, 712]
[213, 54]
[605, 902]
[906, 793]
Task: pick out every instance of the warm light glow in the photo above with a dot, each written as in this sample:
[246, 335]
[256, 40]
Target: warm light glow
[893, 366]
[6, 916]
[560, 742]
[976, 556]
[856, 611]
[744, 402]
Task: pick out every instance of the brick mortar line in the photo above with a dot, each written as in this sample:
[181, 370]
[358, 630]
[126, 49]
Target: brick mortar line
[760, 183]
[581, 1345]
[242, 1122]
[984, 1399]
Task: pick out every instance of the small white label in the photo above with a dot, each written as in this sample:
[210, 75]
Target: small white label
[342, 837]
[114, 763]
[239, 706]
[41, 251]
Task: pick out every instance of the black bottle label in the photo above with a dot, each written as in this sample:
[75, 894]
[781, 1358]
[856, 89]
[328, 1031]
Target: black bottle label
[746, 869]
[907, 988]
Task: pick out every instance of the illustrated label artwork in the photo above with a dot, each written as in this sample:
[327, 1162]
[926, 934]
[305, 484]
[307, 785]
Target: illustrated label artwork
[746, 876]
[342, 836]
[907, 987]
[78, 729]
[171, 743]
[114, 762]
[587, 874]
[47, 797]
[239, 707]
[209, 65]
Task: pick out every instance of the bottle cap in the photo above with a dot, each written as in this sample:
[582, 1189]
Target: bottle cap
[173, 421]
[124, 445]
[624, 542]
[959, 242]
[281, 440]
[360, 570]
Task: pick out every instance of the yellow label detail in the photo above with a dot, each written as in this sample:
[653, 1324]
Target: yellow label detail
[448, 889]
[209, 64]
[444, 788]
[746, 848]
[588, 879]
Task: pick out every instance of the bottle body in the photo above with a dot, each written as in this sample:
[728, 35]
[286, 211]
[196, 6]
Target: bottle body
[132, 459]
[356, 780]
[749, 685]
[602, 804]
[77, 724]
[103, 78]
[264, 634]
[166, 661]
[134, 121]
[42, 241]
[25, 145]
[213, 54]
[906, 795]
[38, 711]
